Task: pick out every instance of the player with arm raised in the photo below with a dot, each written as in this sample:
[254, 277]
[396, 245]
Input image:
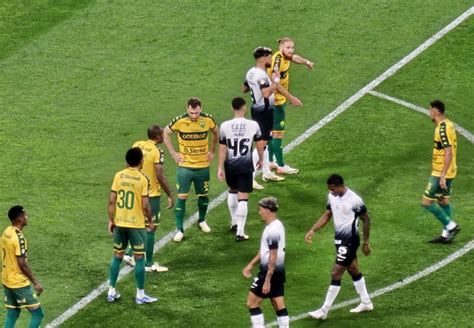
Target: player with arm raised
[280, 68]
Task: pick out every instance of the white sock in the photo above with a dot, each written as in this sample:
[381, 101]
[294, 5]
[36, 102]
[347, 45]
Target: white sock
[451, 225]
[330, 297]
[111, 290]
[258, 321]
[241, 216]
[283, 322]
[254, 160]
[140, 293]
[232, 204]
[266, 162]
[362, 290]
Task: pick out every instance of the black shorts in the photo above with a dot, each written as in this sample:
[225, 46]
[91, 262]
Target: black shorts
[346, 250]
[239, 181]
[265, 122]
[277, 284]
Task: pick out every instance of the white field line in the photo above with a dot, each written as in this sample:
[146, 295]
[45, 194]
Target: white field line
[421, 274]
[308, 133]
[462, 131]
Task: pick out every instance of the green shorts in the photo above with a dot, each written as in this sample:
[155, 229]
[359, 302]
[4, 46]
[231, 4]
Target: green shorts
[279, 118]
[135, 236]
[186, 176]
[155, 208]
[433, 190]
[17, 298]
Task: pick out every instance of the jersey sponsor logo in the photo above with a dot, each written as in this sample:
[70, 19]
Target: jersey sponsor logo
[193, 136]
[194, 150]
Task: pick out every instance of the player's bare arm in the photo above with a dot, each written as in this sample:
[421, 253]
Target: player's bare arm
[21, 260]
[247, 271]
[297, 59]
[322, 221]
[260, 145]
[448, 157]
[167, 141]
[214, 140]
[245, 87]
[147, 212]
[220, 162]
[111, 211]
[160, 174]
[294, 101]
[271, 268]
[366, 234]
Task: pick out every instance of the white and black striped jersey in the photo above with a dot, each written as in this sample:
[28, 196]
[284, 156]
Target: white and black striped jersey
[345, 212]
[257, 79]
[273, 237]
[238, 135]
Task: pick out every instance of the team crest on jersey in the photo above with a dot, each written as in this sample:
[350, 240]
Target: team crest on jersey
[202, 124]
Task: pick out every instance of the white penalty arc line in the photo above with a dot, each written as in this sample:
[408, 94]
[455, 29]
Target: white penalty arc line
[421, 274]
[462, 131]
[305, 135]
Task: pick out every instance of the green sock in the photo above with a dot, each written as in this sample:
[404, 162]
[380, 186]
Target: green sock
[36, 317]
[12, 316]
[436, 210]
[140, 272]
[114, 271]
[447, 210]
[150, 244]
[278, 151]
[203, 202]
[180, 209]
[270, 151]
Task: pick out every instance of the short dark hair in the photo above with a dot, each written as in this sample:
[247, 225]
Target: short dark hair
[15, 211]
[238, 103]
[438, 104]
[134, 156]
[336, 180]
[261, 52]
[270, 203]
[194, 102]
[154, 131]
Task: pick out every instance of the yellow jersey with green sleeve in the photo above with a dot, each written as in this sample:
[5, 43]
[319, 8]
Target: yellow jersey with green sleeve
[152, 155]
[131, 186]
[193, 139]
[444, 137]
[281, 65]
[13, 245]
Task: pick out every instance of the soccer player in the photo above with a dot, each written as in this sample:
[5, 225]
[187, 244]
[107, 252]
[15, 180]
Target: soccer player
[262, 90]
[280, 65]
[193, 159]
[270, 281]
[346, 207]
[153, 159]
[128, 207]
[17, 277]
[235, 159]
[442, 174]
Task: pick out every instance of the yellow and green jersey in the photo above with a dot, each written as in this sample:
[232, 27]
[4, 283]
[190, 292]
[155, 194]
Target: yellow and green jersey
[152, 155]
[193, 139]
[281, 65]
[13, 245]
[444, 137]
[131, 186]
